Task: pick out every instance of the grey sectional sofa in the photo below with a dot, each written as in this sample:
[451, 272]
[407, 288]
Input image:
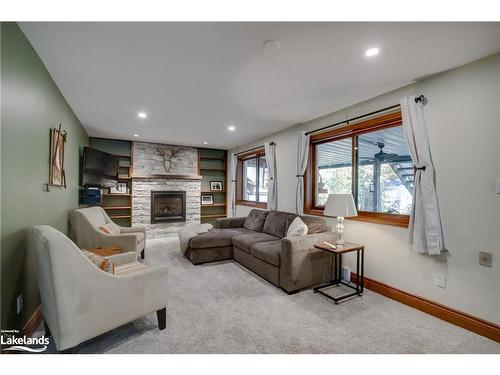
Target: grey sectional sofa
[258, 242]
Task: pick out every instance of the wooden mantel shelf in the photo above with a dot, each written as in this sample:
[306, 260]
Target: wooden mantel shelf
[168, 177]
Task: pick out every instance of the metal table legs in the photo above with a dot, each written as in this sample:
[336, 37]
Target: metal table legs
[337, 279]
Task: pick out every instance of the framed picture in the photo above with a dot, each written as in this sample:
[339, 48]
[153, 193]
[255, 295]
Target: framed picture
[207, 200]
[57, 177]
[119, 188]
[216, 185]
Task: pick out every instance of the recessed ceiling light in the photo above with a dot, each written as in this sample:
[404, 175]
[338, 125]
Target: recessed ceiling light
[142, 115]
[136, 135]
[271, 44]
[205, 142]
[372, 52]
[231, 128]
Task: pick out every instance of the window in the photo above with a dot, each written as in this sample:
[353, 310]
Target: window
[370, 160]
[252, 179]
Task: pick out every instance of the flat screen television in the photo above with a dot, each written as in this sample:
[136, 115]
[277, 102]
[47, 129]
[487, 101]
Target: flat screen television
[99, 169]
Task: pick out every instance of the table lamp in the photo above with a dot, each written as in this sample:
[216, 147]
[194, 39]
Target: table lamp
[341, 206]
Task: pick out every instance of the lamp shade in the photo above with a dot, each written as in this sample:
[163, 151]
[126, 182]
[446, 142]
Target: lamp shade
[340, 205]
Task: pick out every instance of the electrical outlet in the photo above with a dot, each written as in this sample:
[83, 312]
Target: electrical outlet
[346, 274]
[485, 258]
[440, 280]
[19, 304]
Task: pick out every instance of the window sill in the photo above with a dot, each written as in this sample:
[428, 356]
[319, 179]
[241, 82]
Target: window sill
[252, 204]
[402, 221]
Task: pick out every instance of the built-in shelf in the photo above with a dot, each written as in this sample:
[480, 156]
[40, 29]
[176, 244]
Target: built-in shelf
[211, 158]
[212, 166]
[118, 206]
[212, 216]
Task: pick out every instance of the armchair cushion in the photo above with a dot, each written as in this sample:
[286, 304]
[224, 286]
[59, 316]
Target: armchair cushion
[102, 263]
[110, 228]
[122, 258]
[132, 267]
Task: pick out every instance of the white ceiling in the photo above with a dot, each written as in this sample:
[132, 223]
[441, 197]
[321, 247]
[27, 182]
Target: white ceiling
[193, 79]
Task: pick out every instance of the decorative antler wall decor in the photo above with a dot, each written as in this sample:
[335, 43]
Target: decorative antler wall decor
[168, 154]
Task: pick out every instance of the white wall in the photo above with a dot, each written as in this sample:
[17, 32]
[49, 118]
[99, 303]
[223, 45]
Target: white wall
[463, 119]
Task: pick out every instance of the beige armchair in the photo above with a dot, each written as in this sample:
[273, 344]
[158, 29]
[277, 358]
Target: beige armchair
[80, 301]
[86, 226]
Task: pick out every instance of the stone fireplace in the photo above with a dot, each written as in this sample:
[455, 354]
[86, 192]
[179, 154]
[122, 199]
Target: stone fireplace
[168, 206]
[165, 196]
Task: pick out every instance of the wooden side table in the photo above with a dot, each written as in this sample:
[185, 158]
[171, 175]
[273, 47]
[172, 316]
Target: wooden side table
[105, 251]
[337, 278]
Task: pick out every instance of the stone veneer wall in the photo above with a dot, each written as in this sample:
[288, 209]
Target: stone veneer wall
[149, 174]
[141, 203]
[148, 161]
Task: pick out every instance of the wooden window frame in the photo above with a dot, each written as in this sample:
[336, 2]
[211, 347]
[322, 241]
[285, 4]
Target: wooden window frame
[254, 154]
[350, 131]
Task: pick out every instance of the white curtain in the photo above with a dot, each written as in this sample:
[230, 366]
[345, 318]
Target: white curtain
[234, 164]
[272, 187]
[302, 156]
[426, 234]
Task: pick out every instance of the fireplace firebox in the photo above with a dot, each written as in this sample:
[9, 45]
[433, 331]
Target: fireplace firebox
[168, 206]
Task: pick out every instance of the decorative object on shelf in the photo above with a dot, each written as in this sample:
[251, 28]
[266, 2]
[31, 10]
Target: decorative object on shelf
[119, 188]
[57, 175]
[216, 185]
[341, 206]
[207, 200]
[168, 154]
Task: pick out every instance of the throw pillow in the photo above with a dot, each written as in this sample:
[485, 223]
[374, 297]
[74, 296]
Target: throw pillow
[102, 263]
[255, 220]
[110, 228]
[297, 228]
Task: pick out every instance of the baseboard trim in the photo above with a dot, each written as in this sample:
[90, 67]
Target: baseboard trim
[33, 322]
[470, 322]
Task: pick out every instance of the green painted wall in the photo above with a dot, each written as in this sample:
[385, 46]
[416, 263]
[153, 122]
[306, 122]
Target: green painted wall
[31, 104]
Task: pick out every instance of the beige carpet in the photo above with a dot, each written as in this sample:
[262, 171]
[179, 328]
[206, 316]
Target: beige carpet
[224, 308]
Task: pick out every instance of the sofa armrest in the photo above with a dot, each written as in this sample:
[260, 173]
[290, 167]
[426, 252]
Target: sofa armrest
[302, 265]
[123, 258]
[232, 222]
[295, 244]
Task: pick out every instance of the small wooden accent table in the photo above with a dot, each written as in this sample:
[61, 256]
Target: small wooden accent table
[106, 251]
[337, 278]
